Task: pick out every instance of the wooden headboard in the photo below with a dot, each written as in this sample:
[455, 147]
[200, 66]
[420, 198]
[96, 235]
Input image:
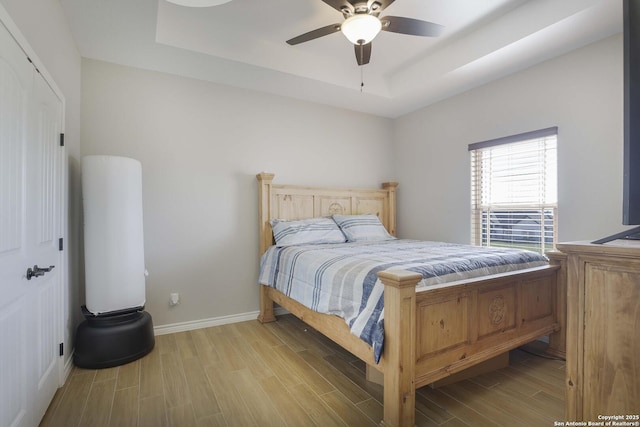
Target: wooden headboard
[297, 202]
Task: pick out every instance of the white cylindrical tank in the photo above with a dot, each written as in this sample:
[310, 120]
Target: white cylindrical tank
[113, 236]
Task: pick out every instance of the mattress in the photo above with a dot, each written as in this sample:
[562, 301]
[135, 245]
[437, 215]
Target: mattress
[341, 278]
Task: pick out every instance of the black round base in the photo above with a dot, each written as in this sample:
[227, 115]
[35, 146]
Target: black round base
[104, 342]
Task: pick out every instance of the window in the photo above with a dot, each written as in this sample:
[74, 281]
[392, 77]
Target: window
[514, 195]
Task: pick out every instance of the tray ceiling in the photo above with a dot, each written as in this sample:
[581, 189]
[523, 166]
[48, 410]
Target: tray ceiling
[242, 43]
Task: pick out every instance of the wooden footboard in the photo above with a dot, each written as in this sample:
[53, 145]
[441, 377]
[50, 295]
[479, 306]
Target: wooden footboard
[440, 330]
[462, 325]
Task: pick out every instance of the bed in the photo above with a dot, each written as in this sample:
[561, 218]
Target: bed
[430, 332]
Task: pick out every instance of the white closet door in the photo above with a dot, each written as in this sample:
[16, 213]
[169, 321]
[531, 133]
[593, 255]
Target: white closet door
[30, 225]
[15, 89]
[44, 187]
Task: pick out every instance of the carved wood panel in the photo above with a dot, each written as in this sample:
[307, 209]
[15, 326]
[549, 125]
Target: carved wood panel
[332, 205]
[293, 206]
[496, 311]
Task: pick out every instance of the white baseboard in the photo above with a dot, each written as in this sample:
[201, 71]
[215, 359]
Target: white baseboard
[68, 366]
[64, 369]
[207, 323]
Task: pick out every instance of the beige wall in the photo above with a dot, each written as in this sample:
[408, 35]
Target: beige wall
[201, 145]
[580, 92]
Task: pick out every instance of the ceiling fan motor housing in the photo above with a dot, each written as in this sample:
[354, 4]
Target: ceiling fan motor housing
[361, 7]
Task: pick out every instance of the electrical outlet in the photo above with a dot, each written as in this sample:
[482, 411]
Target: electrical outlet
[174, 299]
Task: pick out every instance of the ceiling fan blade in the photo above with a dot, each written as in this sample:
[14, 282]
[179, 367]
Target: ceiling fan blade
[324, 31]
[413, 27]
[339, 5]
[363, 53]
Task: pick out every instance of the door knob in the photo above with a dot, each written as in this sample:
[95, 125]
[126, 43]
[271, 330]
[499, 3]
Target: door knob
[38, 271]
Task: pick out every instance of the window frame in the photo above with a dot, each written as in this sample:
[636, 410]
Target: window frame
[479, 211]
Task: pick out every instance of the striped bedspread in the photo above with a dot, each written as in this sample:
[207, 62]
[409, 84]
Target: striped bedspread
[341, 279]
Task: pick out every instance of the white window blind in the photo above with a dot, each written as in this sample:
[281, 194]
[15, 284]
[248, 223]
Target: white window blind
[514, 194]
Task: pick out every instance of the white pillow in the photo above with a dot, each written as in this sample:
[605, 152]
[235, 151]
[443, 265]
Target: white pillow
[361, 228]
[306, 231]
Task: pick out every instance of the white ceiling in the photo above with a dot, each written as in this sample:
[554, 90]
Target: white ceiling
[242, 43]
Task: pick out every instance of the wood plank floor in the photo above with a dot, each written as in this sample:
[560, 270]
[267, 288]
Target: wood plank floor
[286, 374]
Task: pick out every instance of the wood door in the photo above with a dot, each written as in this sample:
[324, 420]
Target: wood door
[30, 225]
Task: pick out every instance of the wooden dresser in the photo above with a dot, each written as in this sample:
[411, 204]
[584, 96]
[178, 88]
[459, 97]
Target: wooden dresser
[603, 330]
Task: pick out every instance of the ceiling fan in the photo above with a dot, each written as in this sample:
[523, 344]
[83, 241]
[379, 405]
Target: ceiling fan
[362, 23]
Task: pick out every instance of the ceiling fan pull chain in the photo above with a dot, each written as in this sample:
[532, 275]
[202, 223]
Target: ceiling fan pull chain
[361, 68]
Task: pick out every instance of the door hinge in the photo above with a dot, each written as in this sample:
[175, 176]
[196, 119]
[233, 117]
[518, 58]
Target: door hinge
[62, 140]
[34, 65]
[61, 244]
[61, 349]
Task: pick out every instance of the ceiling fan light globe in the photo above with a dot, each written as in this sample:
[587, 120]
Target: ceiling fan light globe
[361, 28]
